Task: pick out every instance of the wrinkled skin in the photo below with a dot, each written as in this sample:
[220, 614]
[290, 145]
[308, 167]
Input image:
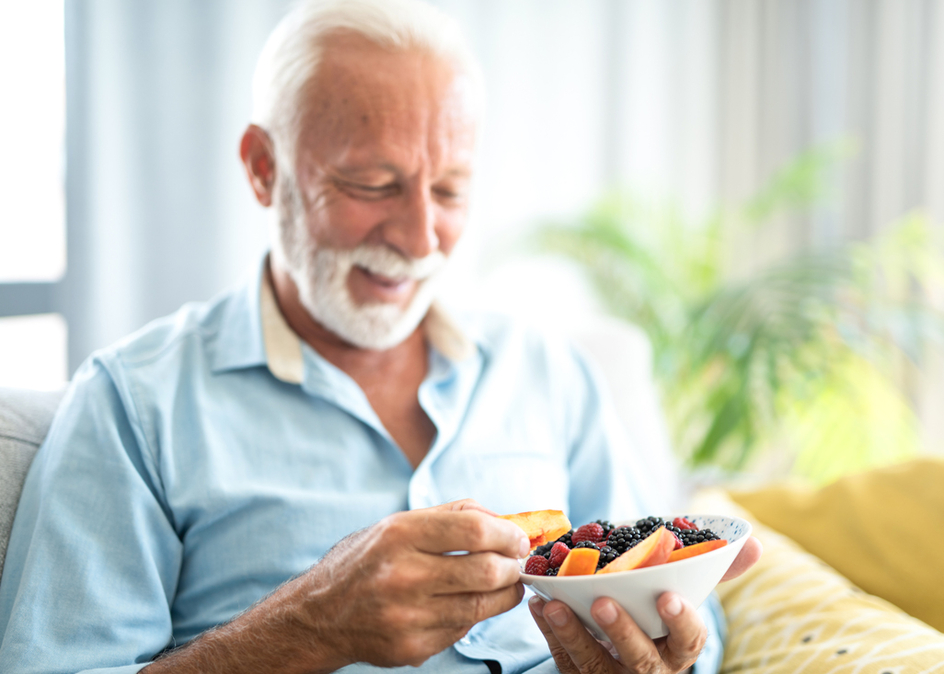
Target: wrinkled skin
[385, 595]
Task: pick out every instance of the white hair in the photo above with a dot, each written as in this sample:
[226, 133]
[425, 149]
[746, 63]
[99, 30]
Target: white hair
[290, 58]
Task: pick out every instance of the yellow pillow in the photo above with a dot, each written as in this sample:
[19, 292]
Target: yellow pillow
[880, 529]
[792, 614]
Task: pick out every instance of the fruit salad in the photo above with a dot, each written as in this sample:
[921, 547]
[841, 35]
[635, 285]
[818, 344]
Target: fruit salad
[600, 547]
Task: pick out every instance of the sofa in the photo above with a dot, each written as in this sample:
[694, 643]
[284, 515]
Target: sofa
[25, 417]
[852, 578]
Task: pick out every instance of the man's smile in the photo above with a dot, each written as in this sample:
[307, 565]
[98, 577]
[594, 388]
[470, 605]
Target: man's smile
[383, 288]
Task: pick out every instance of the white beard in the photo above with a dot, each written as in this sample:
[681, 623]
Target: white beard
[321, 276]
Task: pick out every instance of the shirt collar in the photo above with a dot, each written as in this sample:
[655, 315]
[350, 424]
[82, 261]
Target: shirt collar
[255, 332]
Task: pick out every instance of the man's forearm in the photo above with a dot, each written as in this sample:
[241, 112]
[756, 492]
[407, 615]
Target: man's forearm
[269, 637]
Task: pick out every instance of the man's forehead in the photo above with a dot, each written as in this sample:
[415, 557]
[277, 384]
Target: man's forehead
[357, 76]
[367, 102]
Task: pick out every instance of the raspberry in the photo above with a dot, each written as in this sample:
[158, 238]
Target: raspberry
[558, 553]
[536, 566]
[592, 532]
[683, 523]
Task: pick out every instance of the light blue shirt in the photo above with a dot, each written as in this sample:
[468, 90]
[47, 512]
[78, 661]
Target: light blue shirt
[202, 462]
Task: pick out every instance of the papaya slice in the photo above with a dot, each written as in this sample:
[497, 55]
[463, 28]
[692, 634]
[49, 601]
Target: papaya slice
[654, 549]
[697, 549]
[541, 526]
[580, 562]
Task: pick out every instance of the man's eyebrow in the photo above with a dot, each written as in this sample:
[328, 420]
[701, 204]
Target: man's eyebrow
[354, 169]
[365, 164]
[361, 167]
[458, 172]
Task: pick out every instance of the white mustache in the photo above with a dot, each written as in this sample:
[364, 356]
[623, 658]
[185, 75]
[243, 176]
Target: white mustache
[383, 261]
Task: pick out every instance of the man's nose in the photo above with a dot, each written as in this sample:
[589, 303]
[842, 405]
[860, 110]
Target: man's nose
[413, 231]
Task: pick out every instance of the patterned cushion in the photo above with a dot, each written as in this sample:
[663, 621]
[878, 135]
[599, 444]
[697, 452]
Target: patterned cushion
[793, 614]
[876, 528]
[24, 419]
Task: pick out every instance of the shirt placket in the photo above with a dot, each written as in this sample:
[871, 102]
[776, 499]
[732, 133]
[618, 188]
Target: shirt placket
[445, 396]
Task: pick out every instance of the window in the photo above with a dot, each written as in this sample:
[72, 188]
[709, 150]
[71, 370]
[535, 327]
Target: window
[32, 188]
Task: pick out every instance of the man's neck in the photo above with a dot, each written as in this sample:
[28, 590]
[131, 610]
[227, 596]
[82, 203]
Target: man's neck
[390, 379]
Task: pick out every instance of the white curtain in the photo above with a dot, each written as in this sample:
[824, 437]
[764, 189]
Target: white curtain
[697, 100]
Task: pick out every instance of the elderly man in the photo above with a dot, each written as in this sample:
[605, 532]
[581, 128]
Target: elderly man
[185, 512]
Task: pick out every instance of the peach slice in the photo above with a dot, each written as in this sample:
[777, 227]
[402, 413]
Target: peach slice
[580, 562]
[541, 526]
[697, 549]
[655, 549]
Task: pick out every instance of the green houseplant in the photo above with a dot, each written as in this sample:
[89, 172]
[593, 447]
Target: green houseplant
[796, 364]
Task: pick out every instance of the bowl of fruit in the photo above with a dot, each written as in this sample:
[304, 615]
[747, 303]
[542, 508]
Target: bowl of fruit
[632, 562]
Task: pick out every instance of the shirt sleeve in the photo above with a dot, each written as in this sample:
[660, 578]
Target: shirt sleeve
[606, 483]
[93, 558]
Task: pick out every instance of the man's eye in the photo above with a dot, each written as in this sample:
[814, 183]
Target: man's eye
[371, 191]
[449, 194]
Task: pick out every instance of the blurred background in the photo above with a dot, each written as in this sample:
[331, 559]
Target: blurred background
[754, 183]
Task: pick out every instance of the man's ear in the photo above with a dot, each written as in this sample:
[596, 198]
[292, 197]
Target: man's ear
[258, 156]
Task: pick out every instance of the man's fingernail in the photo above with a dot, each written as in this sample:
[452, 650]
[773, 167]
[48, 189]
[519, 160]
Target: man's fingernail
[524, 548]
[606, 614]
[536, 604]
[674, 607]
[558, 616]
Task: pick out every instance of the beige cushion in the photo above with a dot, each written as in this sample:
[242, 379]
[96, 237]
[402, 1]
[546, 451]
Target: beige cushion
[24, 420]
[792, 614]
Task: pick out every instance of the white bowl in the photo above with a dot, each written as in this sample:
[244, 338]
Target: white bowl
[636, 591]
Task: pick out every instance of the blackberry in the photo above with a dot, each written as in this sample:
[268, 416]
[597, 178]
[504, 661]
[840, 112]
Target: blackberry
[544, 550]
[624, 538]
[692, 536]
[675, 530]
[607, 527]
[565, 539]
[698, 536]
[586, 544]
[552, 572]
[650, 524]
[607, 555]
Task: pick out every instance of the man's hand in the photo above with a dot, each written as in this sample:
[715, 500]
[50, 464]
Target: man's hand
[576, 651]
[387, 595]
[394, 598]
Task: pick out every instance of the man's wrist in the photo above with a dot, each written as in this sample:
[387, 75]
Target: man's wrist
[275, 635]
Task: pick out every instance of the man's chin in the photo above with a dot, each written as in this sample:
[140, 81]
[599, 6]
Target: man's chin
[374, 328]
